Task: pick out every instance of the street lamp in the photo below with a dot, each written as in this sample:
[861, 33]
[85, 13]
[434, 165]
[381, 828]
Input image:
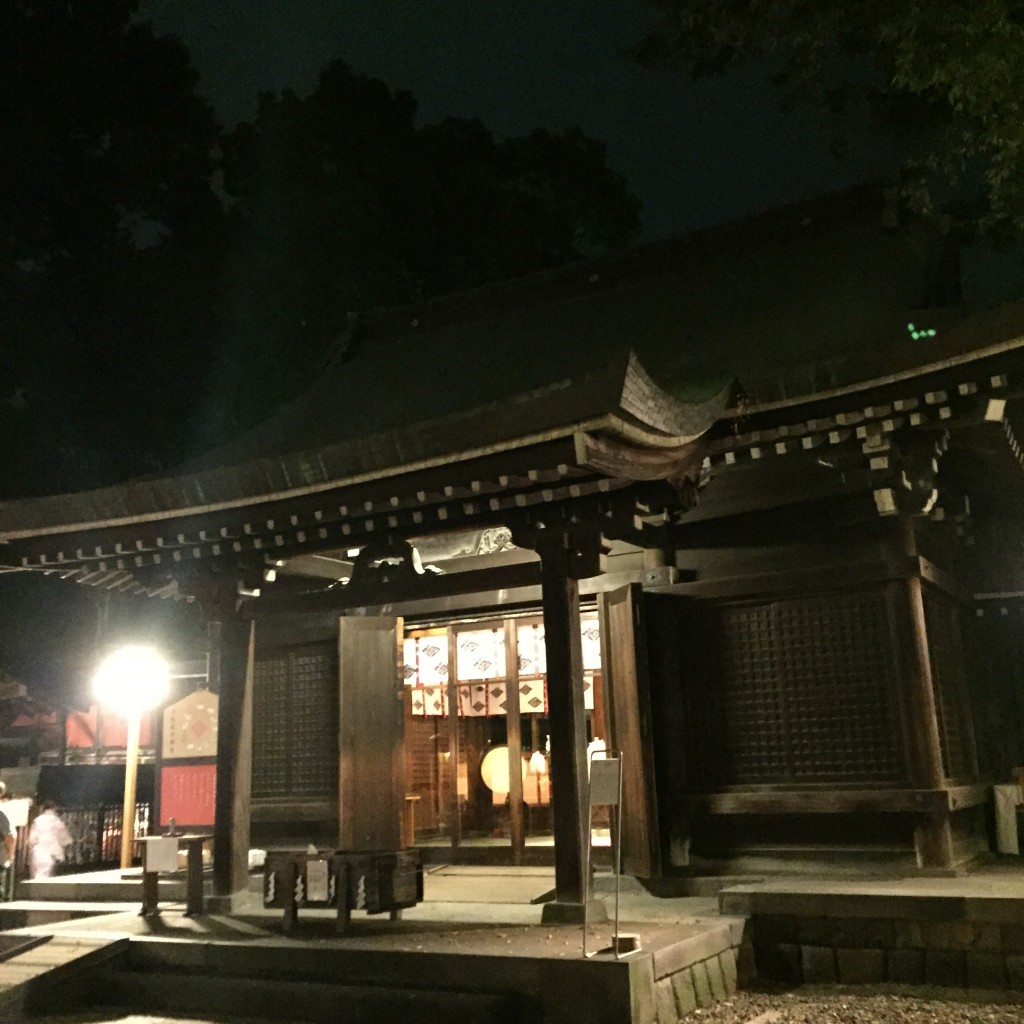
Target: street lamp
[131, 681]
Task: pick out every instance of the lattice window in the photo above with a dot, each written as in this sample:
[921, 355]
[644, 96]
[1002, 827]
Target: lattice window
[945, 651]
[753, 704]
[270, 740]
[295, 723]
[801, 691]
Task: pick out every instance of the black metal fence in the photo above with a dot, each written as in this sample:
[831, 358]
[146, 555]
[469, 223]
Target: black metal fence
[96, 835]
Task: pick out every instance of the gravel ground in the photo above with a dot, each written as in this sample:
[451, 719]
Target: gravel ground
[806, 1005]
[865, 1006]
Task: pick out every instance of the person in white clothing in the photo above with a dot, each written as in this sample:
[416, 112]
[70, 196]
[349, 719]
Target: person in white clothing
[48, 842]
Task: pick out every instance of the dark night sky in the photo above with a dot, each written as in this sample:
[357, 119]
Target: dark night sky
[693, 153]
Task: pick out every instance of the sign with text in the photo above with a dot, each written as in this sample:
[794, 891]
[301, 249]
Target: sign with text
[605, 781]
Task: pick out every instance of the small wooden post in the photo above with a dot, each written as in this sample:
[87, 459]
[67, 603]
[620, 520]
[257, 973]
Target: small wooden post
[194, 874]
[289, 880]
[344, 917]
[150, 894]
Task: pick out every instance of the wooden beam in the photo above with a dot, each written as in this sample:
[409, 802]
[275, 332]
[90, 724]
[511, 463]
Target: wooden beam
[548, 461]
[425, 587]
[841, 801]
[794, 580]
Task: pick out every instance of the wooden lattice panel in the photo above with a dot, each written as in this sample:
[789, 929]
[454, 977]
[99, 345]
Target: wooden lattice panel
[945, 649]
[752, 700]
[270, 727]
[801, 691]
[295, 723]
[836, 660]
[313, 680]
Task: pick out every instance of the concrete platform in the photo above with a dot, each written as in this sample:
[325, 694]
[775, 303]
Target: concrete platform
[960, 932]
[100, 887]
[488, 952]
[495, 960]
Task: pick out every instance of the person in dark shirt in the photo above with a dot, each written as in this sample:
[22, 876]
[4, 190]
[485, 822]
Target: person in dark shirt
[7, 853]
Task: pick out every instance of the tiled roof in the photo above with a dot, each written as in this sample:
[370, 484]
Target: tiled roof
[620, 400]
[804, 300]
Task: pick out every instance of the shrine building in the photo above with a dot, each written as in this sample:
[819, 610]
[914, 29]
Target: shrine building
[744, 506]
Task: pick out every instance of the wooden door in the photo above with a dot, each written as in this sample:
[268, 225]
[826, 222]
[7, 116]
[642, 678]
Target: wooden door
[371, 734]
[628, 710]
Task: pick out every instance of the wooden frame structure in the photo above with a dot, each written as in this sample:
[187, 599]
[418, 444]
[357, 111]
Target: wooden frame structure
[788, 669]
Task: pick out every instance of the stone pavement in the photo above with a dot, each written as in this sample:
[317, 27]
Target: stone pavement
[441, 944]
[691, 947]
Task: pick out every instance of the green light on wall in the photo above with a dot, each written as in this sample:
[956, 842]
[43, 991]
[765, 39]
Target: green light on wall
[920, 332]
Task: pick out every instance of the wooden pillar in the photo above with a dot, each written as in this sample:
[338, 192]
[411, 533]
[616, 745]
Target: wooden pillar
[933, 836]
[454, 751]
[560, 596]
[232, 649]
[515, 744]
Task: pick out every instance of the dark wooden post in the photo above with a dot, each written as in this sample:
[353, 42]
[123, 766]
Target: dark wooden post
[232, 652]
[568, 552]
[933, 837]
[453, 742]
[515, 744]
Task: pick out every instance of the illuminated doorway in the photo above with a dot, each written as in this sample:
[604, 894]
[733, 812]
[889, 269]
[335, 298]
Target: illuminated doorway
[465, 741]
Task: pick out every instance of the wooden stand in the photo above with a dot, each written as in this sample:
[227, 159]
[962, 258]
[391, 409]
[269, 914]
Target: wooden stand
[375, 881]
[194, 900]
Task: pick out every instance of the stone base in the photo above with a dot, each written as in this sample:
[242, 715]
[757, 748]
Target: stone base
[560, 912]
[620, 946]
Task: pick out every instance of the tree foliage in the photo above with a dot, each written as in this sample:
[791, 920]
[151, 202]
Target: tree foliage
[342, 203]
[103, 135]
[947, 76]
[107, 213]
[165, 284]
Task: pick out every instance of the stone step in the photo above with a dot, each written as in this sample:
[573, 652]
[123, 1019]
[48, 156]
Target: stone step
[29, 913]
[100, 890]
[48, 976]
[315, 1002]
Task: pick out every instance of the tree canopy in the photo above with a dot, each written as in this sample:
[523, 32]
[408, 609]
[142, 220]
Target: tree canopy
[342, 203]
[106, 163]
[166, 283]
[947, 76]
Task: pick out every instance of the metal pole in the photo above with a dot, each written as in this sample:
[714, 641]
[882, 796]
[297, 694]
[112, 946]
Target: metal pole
[131, 766]
[586, 857]
[618, 853]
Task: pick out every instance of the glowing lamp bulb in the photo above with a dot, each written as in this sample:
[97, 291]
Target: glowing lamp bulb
[132, 680]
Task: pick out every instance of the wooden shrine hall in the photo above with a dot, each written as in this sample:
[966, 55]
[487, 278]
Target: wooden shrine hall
[744, 506]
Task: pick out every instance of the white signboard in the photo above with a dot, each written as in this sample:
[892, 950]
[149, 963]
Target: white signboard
[159, 853]
[605, 773]
[317, 890]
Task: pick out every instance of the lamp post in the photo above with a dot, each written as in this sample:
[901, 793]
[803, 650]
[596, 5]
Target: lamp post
[131, 681]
